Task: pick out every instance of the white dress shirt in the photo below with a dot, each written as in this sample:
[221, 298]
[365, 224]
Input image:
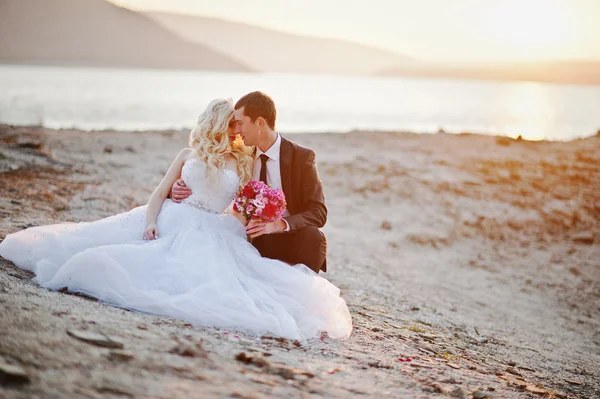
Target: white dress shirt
[273, 169]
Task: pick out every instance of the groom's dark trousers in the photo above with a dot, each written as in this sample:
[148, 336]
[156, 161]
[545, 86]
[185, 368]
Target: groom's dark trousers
[305, 242]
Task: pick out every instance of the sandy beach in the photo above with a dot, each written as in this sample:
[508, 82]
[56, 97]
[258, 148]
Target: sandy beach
[470, 264]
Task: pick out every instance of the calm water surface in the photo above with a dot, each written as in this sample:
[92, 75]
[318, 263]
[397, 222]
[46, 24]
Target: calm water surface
[92, 98]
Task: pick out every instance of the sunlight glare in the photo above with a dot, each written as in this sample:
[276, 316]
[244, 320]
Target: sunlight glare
[532, 108]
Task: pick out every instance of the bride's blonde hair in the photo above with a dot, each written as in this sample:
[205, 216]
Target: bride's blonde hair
[210, 141]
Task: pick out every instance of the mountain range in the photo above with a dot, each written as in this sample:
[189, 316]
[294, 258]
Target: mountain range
[565, 72]
[99, 33]
[273, 51]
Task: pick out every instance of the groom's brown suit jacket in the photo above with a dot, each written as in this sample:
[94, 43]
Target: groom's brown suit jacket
[301, 185]
[306, 205]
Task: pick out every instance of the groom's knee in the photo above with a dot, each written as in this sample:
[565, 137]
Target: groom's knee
[312, 236]
[312, 247]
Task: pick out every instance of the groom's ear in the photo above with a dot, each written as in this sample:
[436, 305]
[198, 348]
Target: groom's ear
[260, 122]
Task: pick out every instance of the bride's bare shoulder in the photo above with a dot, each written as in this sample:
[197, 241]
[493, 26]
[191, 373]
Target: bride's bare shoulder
[185, 154]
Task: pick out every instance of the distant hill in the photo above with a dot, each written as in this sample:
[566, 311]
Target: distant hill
[566, 72]
[97, 33]
[273, 51]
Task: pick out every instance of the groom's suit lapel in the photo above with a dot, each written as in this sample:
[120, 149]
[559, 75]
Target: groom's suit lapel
[285, 166]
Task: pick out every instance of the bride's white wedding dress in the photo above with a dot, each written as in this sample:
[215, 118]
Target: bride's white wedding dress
[200, 269]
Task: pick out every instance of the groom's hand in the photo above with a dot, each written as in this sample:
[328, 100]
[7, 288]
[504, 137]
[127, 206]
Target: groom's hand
[257, 228]
[180, 191]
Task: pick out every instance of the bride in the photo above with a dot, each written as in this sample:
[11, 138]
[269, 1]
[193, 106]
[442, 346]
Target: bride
[187, 260]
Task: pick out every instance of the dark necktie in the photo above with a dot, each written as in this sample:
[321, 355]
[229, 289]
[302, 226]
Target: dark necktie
[263, 168]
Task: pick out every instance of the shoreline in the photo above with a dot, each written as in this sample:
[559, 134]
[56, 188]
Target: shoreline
[441, 130]
[473, 255]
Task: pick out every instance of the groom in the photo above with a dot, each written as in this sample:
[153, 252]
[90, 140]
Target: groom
[282, 164]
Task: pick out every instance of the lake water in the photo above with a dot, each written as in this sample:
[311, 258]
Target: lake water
[92, 98]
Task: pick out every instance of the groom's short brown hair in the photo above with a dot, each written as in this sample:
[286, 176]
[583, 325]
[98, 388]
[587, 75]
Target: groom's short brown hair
[257, 104]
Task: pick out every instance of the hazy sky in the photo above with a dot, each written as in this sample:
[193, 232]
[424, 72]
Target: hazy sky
[447, 30]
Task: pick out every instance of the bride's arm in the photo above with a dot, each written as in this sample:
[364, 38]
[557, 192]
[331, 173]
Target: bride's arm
[160, 193]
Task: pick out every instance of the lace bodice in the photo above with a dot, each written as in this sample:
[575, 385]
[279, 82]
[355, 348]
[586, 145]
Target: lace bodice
[207, 195]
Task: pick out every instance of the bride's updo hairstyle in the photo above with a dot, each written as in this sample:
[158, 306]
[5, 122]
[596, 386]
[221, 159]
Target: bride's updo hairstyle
[210, 141]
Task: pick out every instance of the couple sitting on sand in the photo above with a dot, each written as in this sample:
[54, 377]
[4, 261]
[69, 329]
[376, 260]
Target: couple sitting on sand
[183, 257]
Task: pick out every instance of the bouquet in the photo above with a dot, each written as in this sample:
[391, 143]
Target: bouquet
[258, 201]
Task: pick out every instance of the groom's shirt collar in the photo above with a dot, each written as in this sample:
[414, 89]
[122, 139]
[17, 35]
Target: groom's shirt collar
[273, 152]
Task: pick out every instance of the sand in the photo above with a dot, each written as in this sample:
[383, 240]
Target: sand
[477, 257]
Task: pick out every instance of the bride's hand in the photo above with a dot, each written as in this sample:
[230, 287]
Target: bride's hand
[239, 217]
[151, 232]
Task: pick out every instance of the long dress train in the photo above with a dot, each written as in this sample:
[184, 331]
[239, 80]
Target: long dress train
[200, 269]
